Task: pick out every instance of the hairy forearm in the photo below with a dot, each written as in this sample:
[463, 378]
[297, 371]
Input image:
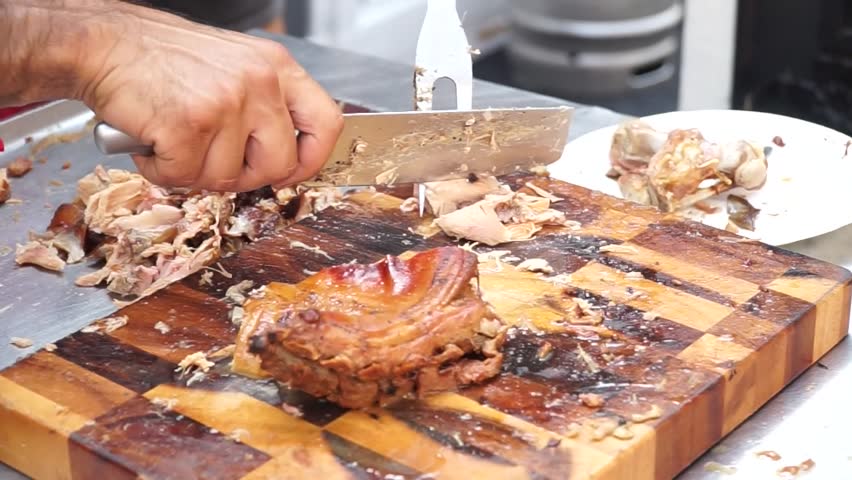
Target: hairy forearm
[49, 49]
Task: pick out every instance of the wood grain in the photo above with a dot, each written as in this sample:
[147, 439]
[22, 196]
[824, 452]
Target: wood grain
[83, 392]
[698, 327]
[391, 438]
[292, 441]
[35, 432]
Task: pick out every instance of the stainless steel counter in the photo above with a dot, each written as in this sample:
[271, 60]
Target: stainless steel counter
[807, 420]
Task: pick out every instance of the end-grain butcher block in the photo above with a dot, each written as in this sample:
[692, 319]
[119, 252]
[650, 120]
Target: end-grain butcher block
[361, 335]
[636, 340]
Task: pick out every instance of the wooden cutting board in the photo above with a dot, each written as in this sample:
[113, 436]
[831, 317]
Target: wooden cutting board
[712, 329]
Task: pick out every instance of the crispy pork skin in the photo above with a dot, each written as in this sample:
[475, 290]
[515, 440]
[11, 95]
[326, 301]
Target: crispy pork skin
[366, 335]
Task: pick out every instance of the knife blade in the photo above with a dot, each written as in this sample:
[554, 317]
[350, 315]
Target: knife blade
[385, 148]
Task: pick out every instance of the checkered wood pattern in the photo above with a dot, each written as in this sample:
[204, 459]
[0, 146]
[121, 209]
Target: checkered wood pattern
[735, 322]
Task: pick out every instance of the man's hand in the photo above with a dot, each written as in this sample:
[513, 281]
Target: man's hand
[220, 108]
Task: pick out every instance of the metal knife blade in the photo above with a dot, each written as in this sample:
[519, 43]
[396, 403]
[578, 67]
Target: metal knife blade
[422, 146]
[429, 146]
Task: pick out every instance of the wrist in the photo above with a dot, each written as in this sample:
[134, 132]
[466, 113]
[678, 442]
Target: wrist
[55, 48]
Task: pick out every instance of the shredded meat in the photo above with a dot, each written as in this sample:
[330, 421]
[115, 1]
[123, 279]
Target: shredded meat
[37, 253]
[633, 145]
[66, 233]
[363, 335]
[445, 197]
[678, 170]
[502, 218]
[149, 237]
[300, 202]
[482, 210]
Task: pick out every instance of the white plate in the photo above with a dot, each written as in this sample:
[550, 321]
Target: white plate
[808, 191]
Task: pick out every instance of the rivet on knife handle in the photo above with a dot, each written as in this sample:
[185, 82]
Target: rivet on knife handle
[113, 142]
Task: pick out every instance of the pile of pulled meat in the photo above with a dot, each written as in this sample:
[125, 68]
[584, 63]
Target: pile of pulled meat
[148, 237]
[483, 210]
[366, 335]
[679, 169]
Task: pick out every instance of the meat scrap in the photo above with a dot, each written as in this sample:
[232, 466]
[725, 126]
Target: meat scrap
[448, 196]
[592, 400]
[502, 218]
[194, 362]
[409, 205]
[106, 325]
[21, 342]
[365, 335]
[66, 234]
[236, 294]
[149, 237]
[535, 265]
[19, 167]
[39, 254]
[481, 209]
[5, 188]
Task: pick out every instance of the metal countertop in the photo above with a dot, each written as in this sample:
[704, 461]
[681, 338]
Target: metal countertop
[806, 420]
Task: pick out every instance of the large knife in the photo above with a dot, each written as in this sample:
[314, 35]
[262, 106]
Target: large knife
[422, 146]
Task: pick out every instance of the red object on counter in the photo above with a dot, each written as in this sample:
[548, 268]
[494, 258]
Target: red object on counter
[12, 111]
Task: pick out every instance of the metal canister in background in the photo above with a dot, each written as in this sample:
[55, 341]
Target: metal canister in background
[593, 49]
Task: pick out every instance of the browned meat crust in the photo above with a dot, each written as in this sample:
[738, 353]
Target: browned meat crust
[365, 335]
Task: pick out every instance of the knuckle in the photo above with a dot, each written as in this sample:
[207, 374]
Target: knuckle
[200, 119]
[277, 53]
[225, 97]
[262, 75]
[230, 98]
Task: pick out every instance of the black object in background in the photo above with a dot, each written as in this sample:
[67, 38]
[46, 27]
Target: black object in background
[794, 58]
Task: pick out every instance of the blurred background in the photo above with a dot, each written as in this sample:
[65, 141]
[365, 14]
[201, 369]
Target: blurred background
[637, 57]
